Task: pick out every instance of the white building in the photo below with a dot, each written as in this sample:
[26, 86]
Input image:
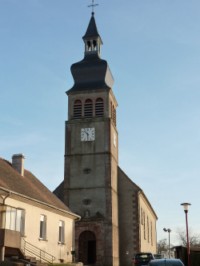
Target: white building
[33, 221]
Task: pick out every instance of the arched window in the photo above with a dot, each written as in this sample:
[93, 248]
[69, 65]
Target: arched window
[95, 45]
[77, 109]
[99, 107]
[89, 46]
[88, 108]
[113, 112]
[114, 115]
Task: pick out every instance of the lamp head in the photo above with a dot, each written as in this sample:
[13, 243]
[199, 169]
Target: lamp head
[185, 206]
[167, 230]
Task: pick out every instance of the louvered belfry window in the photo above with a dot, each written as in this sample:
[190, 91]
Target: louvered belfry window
[99, 107]
[77, 109]
[88, 108]
[114, 115]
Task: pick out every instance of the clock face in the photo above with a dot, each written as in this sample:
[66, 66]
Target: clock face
[88, 134]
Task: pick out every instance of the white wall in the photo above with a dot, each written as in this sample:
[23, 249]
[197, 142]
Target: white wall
[148, 234]
[32, 229]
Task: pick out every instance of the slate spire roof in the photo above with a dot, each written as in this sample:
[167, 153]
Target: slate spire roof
[92, 31]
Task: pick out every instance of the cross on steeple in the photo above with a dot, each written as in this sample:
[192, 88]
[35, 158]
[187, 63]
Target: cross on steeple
[93, 6]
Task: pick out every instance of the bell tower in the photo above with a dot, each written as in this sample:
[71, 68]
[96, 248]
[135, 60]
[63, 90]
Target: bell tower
[91, 155]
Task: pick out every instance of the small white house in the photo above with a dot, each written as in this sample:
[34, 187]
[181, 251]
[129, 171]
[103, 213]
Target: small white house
[33, 221]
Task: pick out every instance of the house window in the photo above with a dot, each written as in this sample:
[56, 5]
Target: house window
[61, 234]
[20, 221]
[12, 219]
[77, 109]
[43, 221]
[88, 108]
[99, 107]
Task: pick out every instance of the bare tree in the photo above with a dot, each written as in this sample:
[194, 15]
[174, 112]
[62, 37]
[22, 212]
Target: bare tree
[162, 246]
[194, 239]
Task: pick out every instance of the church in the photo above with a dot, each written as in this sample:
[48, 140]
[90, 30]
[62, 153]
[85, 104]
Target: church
[117, 220]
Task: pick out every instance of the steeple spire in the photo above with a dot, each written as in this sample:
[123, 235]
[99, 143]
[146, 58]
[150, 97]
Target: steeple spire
[92, 39]
[91, 73]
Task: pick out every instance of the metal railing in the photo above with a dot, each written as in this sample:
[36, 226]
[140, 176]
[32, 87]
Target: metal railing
[39, 254]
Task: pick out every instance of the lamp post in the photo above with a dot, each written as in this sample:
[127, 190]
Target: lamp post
[185, 207]
[169, 231]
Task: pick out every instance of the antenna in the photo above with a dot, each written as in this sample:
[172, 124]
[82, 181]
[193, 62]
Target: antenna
[93, 5]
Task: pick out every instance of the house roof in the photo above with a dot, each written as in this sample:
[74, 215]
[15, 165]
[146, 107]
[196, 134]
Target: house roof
[27, 186]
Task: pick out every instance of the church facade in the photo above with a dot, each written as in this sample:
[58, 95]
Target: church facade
[117, 219]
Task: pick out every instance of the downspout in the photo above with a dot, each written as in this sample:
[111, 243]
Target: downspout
[2, 248]
[5, 197]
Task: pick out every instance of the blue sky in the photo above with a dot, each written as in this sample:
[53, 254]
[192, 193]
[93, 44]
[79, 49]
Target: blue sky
[152, 47]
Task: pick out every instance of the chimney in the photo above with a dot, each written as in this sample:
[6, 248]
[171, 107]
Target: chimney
[18, 163]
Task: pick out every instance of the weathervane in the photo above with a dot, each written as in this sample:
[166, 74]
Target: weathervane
[93, 6]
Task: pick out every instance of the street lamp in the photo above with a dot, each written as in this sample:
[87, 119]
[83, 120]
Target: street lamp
[185, 207]
[169, 231]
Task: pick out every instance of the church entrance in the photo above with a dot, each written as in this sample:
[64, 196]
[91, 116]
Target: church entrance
[87, 248]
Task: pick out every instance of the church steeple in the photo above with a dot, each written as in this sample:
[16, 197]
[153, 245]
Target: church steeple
[92, 39]
[91, 155]
[91, 73]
